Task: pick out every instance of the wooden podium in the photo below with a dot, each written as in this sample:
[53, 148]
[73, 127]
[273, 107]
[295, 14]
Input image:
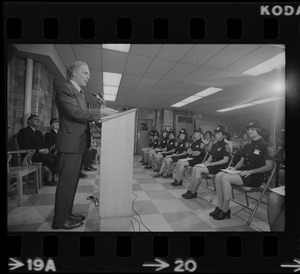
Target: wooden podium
[116, 165]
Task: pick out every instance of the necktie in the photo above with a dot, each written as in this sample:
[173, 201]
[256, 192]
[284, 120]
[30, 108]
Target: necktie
[82, 93]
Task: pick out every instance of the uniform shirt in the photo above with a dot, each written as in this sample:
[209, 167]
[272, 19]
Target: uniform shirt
[155, 143]
[219, 150]
[164, 143]
[181, 147]
[196, 146]
[151, 142]
[170, 144]
[255, 153]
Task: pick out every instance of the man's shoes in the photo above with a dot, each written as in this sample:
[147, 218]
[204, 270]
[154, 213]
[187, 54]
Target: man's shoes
[82, 174]
[77, 217]
[71, 224]
[156, 170]
[148, 167]
[52, 183]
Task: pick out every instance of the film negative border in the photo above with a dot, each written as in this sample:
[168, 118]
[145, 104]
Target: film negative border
[163, 23]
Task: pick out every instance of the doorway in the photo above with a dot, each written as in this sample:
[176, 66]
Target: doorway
[144, 128]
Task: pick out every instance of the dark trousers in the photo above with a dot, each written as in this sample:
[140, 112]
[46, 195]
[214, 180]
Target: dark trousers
[50, 160]
[69, 167]
[88, 157]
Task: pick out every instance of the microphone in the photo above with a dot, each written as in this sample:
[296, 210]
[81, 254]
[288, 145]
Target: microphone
[100, 98]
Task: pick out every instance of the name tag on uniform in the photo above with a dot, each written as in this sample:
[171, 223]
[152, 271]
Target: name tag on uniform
[181, 145]
[219, 149]
[256, 151]
[197, 146]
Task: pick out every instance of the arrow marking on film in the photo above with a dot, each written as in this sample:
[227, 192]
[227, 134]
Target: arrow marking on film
[293, 265]
[15, 264]
[161, 264]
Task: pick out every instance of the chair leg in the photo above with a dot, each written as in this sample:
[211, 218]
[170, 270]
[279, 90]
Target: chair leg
[37, 183]
[20, 189]
[246, 196]
[256, 207]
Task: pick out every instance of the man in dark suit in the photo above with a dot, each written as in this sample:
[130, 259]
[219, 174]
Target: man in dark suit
[72, 141]
[50, 136]
[32, 138]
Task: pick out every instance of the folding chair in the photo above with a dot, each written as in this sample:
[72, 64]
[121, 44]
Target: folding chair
[262, 189]
[188, 169]
[208, 176]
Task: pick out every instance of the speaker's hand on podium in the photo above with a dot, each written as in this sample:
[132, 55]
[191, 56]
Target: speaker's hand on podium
[108, 111]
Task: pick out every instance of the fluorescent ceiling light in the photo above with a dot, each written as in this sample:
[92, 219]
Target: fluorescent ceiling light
[276, 62]
[243, 106]
[250, 104]
[117, 47]
[110, 90]
[208, 91]
[266, 100]
[225, 109]
[191, 99]
[110, 97]
[111, 79]
[180, 104]
[235, 107]
[197, 96]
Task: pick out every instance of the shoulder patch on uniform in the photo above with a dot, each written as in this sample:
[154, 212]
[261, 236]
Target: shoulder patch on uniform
[227, 148]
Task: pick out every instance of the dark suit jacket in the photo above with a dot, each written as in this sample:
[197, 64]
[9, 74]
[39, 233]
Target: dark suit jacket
[74, 131]
[28, 139]
[50, 137]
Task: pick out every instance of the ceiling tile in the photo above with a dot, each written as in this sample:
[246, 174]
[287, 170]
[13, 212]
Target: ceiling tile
[173, 52]
[201, 54]
[164, 85]
[96, 77]
[159, 68]
[254, 58]
[130, 81]
[179, 72]
[92, 56]
[198, 75]
[113, 61]
[137, 65]
[228, 55]
[147, 83]
[66, 54]
[145, 50]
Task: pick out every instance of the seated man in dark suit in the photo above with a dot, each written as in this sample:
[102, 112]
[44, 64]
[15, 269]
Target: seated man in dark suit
[31, 138]
[50, 135]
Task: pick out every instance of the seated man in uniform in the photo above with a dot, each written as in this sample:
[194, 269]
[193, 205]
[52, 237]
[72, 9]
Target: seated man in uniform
[31, 138]
[218, 159]
[196, 151]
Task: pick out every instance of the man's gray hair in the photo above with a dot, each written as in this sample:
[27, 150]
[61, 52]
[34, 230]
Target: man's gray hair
[74, 66]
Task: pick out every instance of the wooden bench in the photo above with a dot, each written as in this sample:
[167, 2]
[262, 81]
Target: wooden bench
[20, 171]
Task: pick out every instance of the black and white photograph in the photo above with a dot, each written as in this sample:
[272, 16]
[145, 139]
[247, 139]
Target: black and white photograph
[146, 137]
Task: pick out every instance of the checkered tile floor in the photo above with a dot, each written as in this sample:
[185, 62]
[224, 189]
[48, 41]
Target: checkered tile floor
[157, 206]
